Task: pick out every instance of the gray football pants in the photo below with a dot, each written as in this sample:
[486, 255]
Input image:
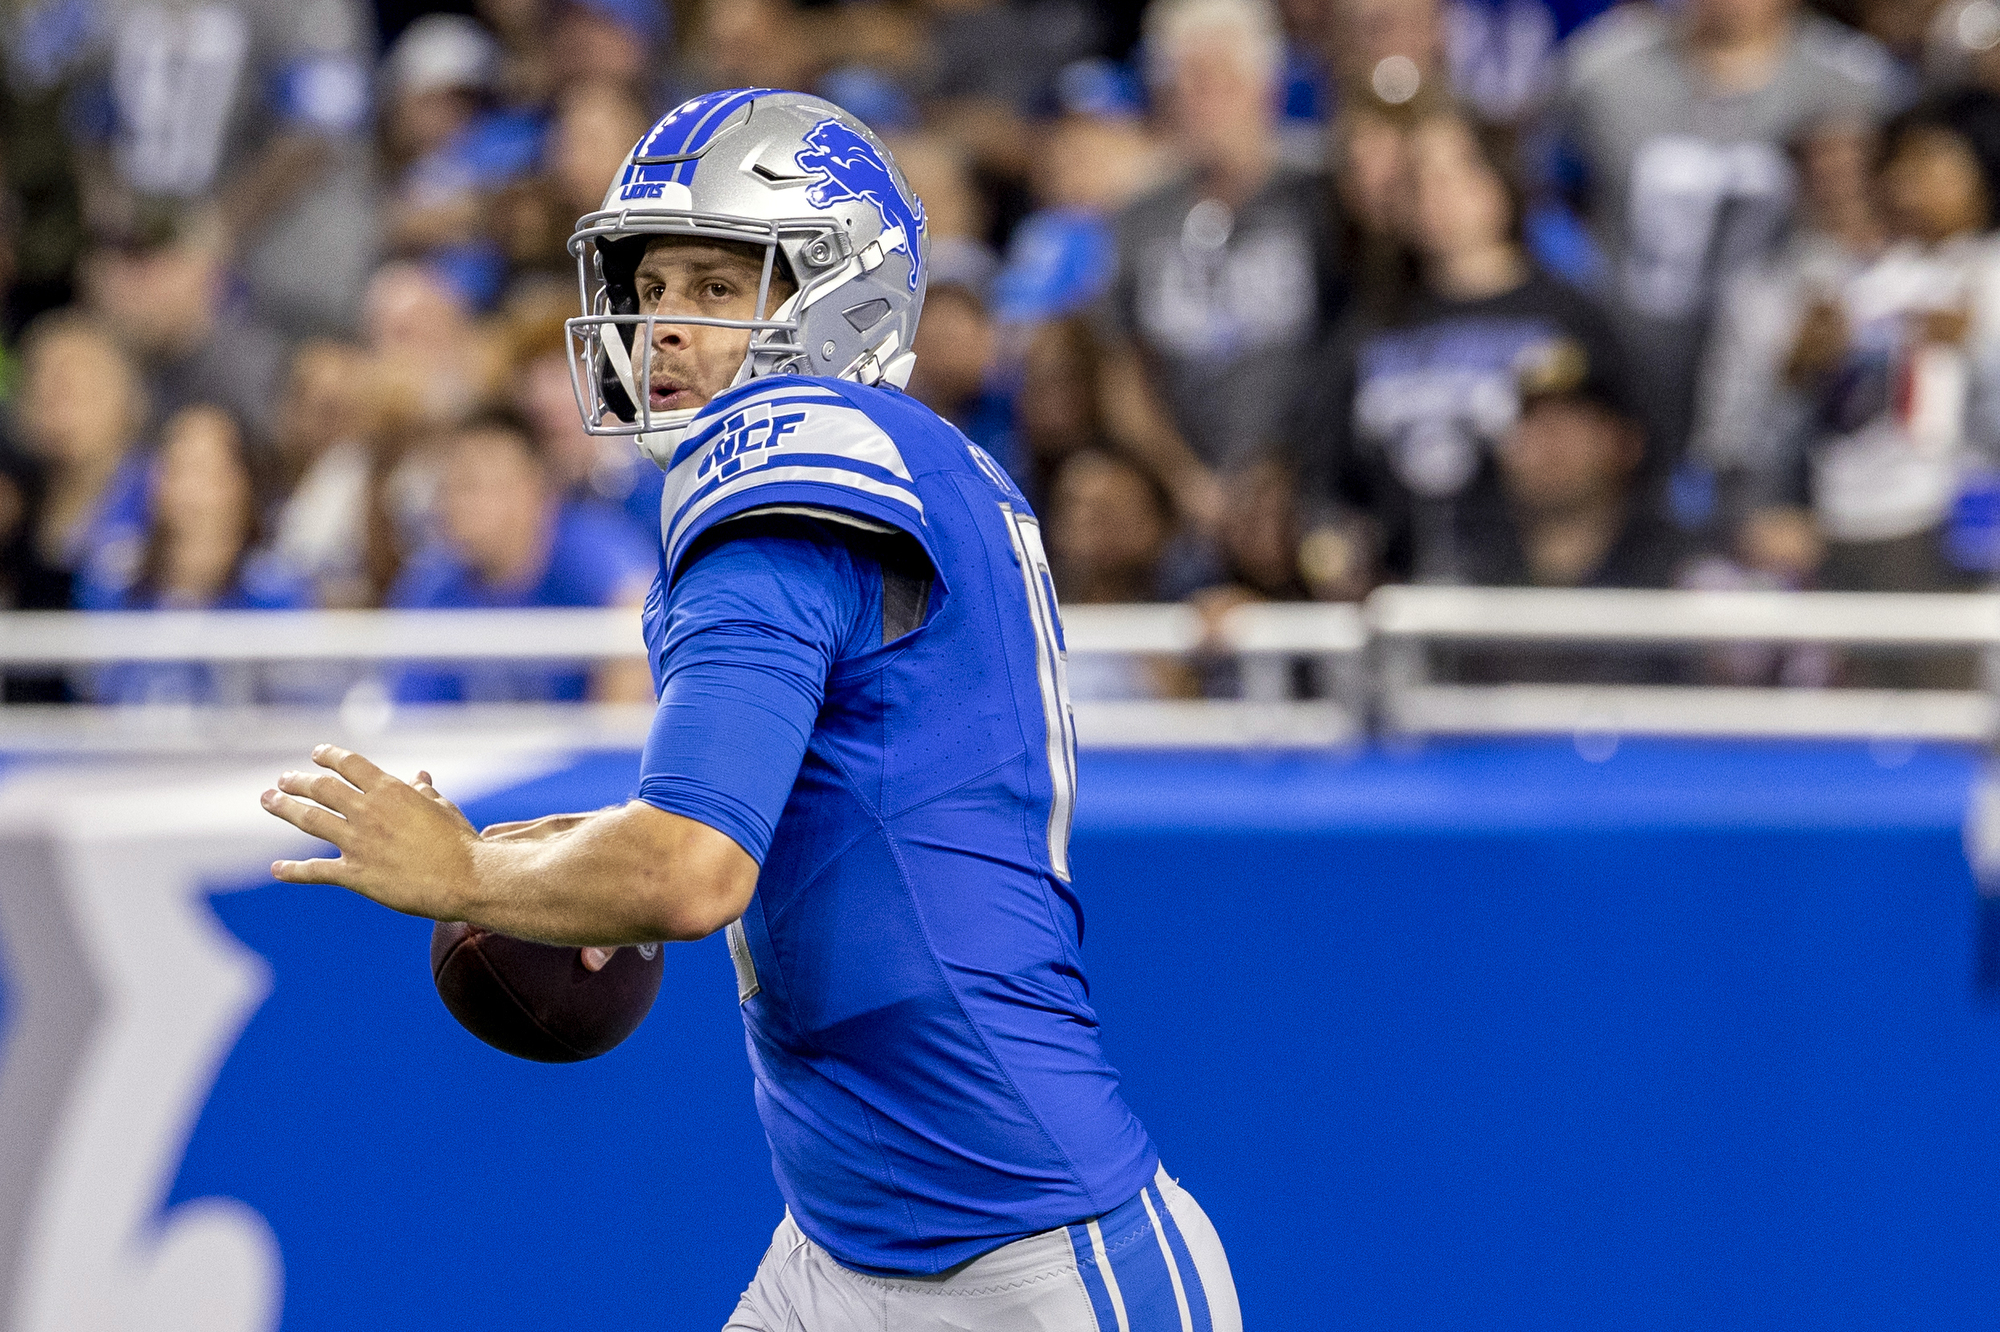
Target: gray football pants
[1154, 1264]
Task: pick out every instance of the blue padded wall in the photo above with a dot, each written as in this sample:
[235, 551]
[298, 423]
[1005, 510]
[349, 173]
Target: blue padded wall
[1469, 1036]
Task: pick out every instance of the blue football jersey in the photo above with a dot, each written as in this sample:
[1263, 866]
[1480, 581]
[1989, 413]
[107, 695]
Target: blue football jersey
[927, 1062]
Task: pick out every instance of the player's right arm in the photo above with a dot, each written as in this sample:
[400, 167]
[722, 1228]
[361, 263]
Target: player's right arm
[754, 625]
[634, 874]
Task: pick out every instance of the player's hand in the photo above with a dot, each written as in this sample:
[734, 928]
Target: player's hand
[401, 844]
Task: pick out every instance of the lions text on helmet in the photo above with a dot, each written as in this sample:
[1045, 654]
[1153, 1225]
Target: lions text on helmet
[768, 222]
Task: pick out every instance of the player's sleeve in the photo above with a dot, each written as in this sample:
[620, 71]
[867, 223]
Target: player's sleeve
[752, 626]
[794, 444]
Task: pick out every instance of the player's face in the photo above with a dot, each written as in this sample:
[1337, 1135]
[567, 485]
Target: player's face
[683, 276]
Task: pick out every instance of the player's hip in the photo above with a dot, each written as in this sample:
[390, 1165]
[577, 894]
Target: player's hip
[1154, 1264]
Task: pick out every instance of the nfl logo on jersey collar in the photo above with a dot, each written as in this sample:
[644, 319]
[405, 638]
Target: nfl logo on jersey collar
[754, 427]
[783, 440]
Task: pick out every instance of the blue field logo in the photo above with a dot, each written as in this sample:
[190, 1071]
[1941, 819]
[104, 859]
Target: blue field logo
[850, 168]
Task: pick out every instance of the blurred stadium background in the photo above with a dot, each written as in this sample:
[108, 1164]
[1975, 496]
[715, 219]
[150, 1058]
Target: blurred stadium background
[1525, 483]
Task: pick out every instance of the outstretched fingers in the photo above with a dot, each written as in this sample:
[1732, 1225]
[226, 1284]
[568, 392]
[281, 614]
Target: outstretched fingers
[308, 818]
[350, 765]
[311, 871]
[323, 787]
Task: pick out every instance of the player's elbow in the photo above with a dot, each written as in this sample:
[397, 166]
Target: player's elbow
[697, 884]
[696, 909]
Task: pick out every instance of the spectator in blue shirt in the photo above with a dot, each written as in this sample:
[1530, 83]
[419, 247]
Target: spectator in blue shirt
[509, 540]
[200, 551]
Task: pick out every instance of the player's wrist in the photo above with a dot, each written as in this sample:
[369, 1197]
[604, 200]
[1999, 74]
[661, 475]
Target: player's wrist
[479, 891]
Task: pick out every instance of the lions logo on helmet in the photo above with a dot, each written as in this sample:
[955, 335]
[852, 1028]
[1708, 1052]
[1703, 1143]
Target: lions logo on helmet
[850, 168]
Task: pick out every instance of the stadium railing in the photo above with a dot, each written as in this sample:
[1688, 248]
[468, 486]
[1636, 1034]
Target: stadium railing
[1407, 623]
[1301, 675]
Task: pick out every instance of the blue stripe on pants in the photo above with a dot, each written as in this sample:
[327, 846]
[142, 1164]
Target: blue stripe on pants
[1138, 1280]
[1197, 1297]
[1093, 1280]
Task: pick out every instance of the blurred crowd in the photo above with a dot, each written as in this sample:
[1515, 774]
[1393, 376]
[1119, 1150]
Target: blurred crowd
[1256, 301]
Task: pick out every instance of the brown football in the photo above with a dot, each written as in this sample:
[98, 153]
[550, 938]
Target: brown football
[538, 1001]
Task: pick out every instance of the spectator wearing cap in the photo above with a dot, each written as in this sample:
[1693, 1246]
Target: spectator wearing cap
[1397, 434]
[507, 540]
[450, 146]
[1572, 513]
[1679, 118]
[261, 106]
[1226, 275]
[169, 296]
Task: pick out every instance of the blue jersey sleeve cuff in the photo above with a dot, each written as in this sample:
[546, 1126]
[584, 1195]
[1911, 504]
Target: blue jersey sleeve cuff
[735, 819]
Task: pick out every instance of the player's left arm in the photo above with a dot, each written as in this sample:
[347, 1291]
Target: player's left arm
[630, 874]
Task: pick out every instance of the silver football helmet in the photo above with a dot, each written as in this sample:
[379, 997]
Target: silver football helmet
[792, 173]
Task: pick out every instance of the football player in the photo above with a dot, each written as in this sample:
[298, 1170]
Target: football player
[862, 766]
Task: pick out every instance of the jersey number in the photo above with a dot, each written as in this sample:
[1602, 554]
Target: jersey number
[1052, 675]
